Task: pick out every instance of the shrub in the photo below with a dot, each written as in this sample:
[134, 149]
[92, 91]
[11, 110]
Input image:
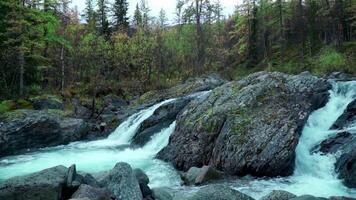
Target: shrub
[23, 104]
[34, 89]
[330, 60]
[6, 106]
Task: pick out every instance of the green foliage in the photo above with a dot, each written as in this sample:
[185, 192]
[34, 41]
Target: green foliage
[34, 89]
[6, 106]
[330, 60]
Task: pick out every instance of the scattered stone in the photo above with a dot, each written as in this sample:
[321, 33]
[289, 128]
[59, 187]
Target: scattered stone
[47, 184]
[214, 192]
[122, 182]
[278, 195]
[92, 193]
[197, 176]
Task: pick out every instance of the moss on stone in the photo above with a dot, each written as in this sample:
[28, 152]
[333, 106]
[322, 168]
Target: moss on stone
[6, 106]
[47, 96]
[15, 114]
[60, 113]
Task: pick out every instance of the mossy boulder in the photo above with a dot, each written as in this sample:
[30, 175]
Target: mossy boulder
[47, 102]
[190, 86]
[250, 126]
[23, 130]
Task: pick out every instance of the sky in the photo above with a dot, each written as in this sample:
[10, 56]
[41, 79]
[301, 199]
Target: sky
[167, 5]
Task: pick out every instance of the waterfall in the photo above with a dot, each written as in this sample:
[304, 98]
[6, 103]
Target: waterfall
[101, 155]
[314, 172]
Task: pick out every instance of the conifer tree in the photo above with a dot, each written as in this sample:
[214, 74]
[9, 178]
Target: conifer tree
[120, 9]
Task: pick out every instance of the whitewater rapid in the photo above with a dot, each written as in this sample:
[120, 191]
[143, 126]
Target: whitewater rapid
[314, 172]
[101, 155]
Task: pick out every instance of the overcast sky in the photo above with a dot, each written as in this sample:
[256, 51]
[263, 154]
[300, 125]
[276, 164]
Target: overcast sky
[167, 5]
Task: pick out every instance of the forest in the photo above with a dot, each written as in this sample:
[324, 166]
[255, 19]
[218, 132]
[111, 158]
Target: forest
[48, 47]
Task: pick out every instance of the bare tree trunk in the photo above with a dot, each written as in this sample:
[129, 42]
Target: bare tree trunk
[281, 29]
[62, 70]
[21, 60]
[200, 39]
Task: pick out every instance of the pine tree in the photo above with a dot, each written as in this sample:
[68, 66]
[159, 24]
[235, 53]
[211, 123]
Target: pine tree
[103, 23]
[120, 15]
[162, 18]
[137, 17]
[90, 15]
[145, 13]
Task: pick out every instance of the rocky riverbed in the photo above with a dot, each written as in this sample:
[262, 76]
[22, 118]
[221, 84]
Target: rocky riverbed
[219, 131]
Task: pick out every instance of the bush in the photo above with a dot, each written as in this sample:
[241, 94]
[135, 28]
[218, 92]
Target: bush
[330, 60]
[6, 106]
[23, 104]
[34, 90]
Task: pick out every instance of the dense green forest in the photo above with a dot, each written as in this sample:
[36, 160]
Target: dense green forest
[45, 47]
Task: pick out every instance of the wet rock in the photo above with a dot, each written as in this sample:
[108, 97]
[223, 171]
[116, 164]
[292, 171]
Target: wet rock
[197, 176]
[162, 194]
[23, 130]
[341, 198]
[92, 193]
[47, 184]
[90, 180]
[346, 167]
[307, 197]
[278, 195]
[122, 182]
[143, 181]
[333, 144]
[340, 76]
[347, 118]
[214, 192]
[141, 176]
[161, 118]
[250, 126]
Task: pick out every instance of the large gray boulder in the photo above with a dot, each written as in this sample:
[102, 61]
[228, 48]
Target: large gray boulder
[250, 126]
[122, 181]
[92, 193]
[214, 192]
[187, 87]
[279, 195]
[197, 176]
[143, 181]
[47, 184]
[162, 194]
[47, 102]
[347, 118]
[24, 130]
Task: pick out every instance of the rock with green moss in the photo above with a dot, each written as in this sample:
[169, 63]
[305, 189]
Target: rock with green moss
[190, 86]
[47, 102]
[250, 126]
[23, 130]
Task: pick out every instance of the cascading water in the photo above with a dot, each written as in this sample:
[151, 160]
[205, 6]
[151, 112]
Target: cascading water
[100, 155]
[314, 172]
